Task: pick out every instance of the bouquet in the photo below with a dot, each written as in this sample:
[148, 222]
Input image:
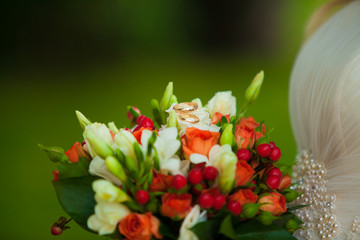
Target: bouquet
[192, 172]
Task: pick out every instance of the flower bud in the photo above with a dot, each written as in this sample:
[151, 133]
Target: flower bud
[172, 119]
[133, 113]
[266, 218]
[290, 195]
[82, 119]
[98, 140]
[106, 191]
[291, 225]
[253, 90]
[156, 111]
[55, 154]
[132, 166]
[124, 140]
[113, 127]
[227, 135]
[115, 168]
[250, 210]
[165, 101]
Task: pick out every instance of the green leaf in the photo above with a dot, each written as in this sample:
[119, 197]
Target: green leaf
[290, 209]
[167, 232]
[55, 154]
[207, 230]
[156, 111]
[76, 169]
[253, 230]
[77, 198]
[227, 228]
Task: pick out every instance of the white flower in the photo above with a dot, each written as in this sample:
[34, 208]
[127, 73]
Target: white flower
[193, 217]
[166, 145]
[98, 140]
[202, 120]
[107, 216]
[224, 160]
[124, 140]
[98, 167]
[222, 102]
[107, 192]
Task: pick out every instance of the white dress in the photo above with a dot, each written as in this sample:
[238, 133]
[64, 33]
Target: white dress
[325, 115]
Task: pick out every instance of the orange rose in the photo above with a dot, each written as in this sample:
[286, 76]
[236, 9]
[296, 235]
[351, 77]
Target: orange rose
[175, 206]
[75, 152]
[285, 182]
[140, 226]
[245, 134]
[244, 173]
[244, 196]
[137, 134]
[218, 116]
[275, 203]
[160, 182]
[212, 191]
[198, 141]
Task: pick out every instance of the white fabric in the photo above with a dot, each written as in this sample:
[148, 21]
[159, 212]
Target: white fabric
[325, 106]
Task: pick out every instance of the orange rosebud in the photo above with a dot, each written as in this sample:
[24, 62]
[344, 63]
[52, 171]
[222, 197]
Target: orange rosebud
[75, 152]
[160, 182]
[245, 134]
[274, 203]
[137, 134]
[244, 173]
[198, 141]
[140, 226]
[176, 206]
[244, 196]
[218, 116]
[285, 182]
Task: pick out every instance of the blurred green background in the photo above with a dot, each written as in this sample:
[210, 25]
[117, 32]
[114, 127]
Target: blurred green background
[100, 56]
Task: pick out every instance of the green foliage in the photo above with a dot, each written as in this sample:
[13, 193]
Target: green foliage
[76, 169]
[77, 198]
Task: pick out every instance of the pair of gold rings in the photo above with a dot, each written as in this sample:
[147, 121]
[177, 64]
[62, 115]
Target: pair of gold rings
[184, 111]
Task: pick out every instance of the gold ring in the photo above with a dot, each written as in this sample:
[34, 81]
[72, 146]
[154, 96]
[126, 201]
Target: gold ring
[190, 118]
[186, 107]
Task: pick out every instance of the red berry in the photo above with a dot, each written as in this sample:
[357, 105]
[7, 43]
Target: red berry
[272, 144]
[243, 154]
[142, 196]
[139, 119]
[56, 229]
[206, 200]
[275, 154]
[147, 123]
[179, 182]
[219, 201]
[252, 188]
[210, 173]
[275, 172]
[195, 176]
[234, 207]
[137, 128]
[264, 150]
[273, 181]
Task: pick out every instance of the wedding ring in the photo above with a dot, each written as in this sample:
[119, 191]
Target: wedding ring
[190, 118]
[185, 107]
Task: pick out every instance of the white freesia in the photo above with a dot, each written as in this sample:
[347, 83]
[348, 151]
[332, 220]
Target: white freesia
[204, 122]
[107, 216]
[224, 160]
[98, 168]
[222, 102]
[98, 140]
[124, 140]
[107, 192]
[193, 217]
[166, 145]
